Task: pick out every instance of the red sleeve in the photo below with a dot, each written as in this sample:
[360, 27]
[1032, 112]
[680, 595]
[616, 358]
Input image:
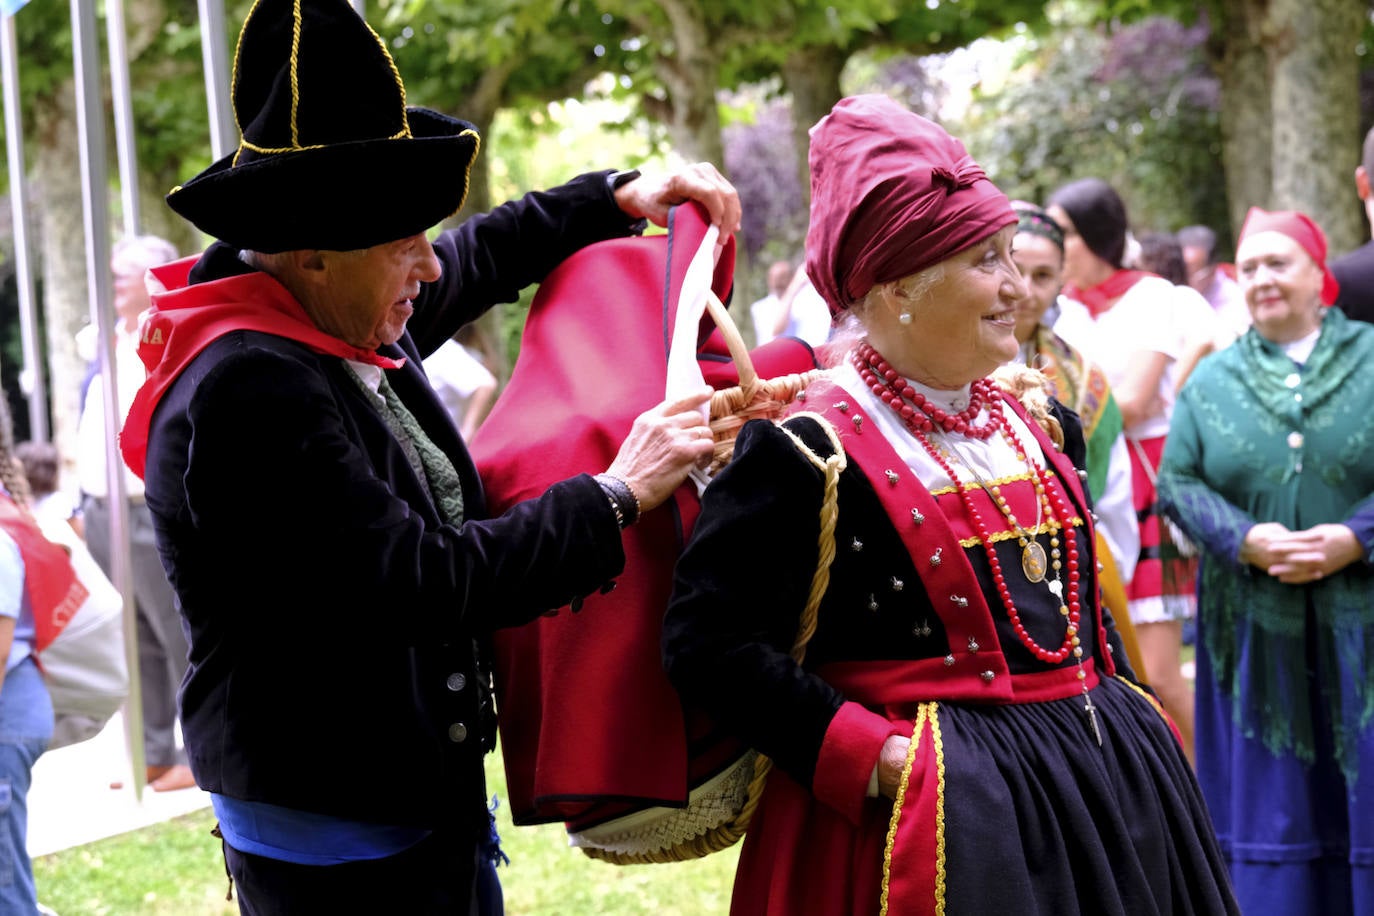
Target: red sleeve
[848, 754]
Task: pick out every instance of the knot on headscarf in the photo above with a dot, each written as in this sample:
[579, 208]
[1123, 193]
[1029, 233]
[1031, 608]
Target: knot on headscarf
[963, 176]
[891, 194]
[1302, 229]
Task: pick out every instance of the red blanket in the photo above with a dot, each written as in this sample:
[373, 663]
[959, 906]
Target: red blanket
[590, 726]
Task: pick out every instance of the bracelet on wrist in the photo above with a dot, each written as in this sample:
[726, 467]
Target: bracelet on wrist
[622, 498]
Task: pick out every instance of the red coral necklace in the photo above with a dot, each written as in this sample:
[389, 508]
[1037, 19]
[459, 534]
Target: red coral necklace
[920, 417]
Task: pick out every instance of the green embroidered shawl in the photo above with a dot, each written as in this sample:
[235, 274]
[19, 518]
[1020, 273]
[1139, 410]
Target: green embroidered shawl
[1256, 438]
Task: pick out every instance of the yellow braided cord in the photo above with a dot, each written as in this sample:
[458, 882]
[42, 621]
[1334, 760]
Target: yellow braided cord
[1074, 522]
[467, 173]
[1151, 700]
[238, 48]
[295, 65]
[939, 740]
[729, 833]
[922, 713]
[400, 84]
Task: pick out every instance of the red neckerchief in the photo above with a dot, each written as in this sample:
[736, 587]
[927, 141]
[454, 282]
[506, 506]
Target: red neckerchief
[53, 590]
[186, 319]
[1103, 296]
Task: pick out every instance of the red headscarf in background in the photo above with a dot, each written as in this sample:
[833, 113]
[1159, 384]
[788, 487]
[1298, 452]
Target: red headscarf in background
[891, 193]
[1300, 228]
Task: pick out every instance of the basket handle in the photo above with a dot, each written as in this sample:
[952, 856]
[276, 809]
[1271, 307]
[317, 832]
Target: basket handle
[748, 378]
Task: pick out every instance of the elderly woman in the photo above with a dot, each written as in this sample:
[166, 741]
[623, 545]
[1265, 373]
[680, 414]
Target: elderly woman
[957, 736]
[1141, 340]
[1268, 468]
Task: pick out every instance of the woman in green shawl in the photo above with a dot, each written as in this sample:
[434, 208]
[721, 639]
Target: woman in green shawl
[1268, 467]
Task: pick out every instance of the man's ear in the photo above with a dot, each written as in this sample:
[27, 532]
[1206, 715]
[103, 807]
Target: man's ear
[1362, 182]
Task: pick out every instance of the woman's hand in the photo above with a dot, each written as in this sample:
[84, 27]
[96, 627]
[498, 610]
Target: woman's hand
[1314, 553]
[891, 763]
[1259, 546]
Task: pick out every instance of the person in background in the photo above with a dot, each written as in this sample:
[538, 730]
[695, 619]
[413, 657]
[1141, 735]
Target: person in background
[956, 736]
[161, 643]
[1267, 469]
[1162, 255]
[1354, 271]
[37, 585]
[1080, 385]
[766, 312]
[1139, 345]
[1212, 279]
[1204, 332]
[319, 515]
[42, 469]
[463, 383]
[803, 314]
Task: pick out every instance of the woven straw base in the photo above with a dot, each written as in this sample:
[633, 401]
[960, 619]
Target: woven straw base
[657, 830]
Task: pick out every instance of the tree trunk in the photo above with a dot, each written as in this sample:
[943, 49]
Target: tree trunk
[56, 177]
[480, 105]
[690, 73]
[1316, 113]
[812, 77]
[1246, 108]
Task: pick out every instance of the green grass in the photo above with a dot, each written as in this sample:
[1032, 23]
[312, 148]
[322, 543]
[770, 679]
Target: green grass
[175, 869]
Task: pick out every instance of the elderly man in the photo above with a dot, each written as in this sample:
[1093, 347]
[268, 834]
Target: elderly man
[316, 509]
[161, 643]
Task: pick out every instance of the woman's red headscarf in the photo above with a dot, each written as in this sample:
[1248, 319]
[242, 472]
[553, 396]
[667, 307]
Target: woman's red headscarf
[891, 193]
[1300, 228]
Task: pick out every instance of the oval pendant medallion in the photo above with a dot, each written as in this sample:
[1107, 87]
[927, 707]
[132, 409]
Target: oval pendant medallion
[1033, 562]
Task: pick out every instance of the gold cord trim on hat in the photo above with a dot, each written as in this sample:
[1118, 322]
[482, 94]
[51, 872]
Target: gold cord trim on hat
[295, 61]
[467, 172]
[396, 75]
[296, 18]
[245, 144]
[233, 86]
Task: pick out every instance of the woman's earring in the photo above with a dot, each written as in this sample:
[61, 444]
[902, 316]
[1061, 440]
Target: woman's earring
[904, 317]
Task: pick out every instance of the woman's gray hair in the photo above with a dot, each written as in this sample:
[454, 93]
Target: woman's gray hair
[913, 287]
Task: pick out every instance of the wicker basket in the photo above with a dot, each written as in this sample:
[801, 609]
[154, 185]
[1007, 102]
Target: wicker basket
[753, 398]
[719, 810]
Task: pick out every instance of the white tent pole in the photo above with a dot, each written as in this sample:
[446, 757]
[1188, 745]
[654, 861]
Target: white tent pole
[90, 122]
[35, 363]
[122, 97]
[224, 137]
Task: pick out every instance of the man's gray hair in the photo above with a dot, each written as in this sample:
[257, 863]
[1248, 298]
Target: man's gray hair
[134, 254]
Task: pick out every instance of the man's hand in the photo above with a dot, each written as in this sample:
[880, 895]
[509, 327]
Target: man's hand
[650, 196]
[663, 446]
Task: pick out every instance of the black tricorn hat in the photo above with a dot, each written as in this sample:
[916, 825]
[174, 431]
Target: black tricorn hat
[329, 156]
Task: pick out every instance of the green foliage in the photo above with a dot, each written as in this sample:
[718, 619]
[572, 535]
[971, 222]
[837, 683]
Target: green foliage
[546, 49]
[1137, 108]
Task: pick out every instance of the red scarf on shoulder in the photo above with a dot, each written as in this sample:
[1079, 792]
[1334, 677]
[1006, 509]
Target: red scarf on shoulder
[50, 583]
[185, 319]
[1103, 296]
